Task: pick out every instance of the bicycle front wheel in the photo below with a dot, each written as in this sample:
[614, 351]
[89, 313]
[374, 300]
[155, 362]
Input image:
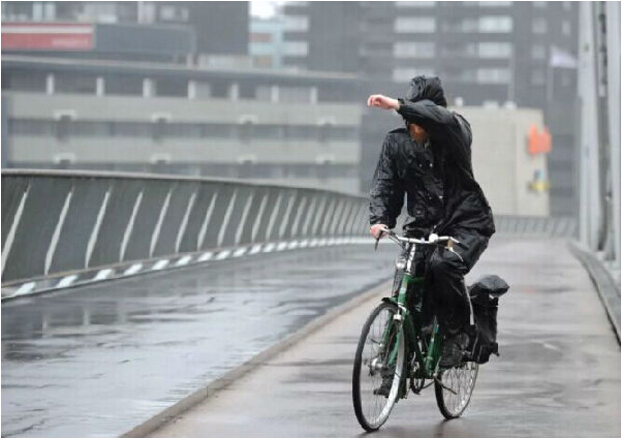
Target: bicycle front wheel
[454, 388]
[378, 367]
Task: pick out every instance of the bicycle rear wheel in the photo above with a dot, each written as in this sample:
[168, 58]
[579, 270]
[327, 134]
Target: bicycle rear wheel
[378, 366]
[454, 394]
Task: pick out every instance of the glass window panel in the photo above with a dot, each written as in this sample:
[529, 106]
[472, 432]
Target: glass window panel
[123, 85]
[493, 24]
[24, 81]
[495, 50]
[83, 128]
[296, 23]
[294, 95]
[493, 75]
[33, 127]
[183, 130]
[133, 129]
[406, 74]
[415, 4]
[415, 24]
[405, 49]
[219, 130]
[75, 83]
[299, 132]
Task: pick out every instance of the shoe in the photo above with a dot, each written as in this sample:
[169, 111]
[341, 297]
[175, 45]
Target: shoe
[453, 350]
[385, 388]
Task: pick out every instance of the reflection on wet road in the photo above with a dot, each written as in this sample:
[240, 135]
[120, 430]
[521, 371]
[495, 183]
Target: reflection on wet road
[558, 375]
[98, 360]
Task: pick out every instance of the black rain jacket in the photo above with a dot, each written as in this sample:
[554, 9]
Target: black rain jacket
[441, 191]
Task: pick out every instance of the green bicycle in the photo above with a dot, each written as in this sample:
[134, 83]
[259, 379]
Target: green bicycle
[398, 351]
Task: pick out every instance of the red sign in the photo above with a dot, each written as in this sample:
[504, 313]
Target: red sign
[47, 36]
[538, 142]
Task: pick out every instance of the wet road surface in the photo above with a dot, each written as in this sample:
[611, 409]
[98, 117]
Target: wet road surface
[558, 374]
[96, 361]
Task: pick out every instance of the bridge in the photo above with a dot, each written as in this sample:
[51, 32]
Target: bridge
[136, 305]
[154, 306]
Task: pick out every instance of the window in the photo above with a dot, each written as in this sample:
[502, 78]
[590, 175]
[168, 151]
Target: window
[493, 75]
[24, 81]
[133, 129]
[415, 24]
[75, 83]
[124, 85]
[495, 50]
[63, 127]
[406, 74]
[172, 88]
[300, 132]
[296, 48]
[296, 23]
[538, 25]
[415, 4]
[183, 130]
[493, 4]
[32, 127]
[413, 50]
[261, 37]
[294, 95]
[84, 128]
[494, 24]
[219, 130]
[566, 28]
[460, 49]
[538, 52]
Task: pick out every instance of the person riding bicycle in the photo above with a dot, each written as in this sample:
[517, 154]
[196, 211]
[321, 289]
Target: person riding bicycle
[429, 161]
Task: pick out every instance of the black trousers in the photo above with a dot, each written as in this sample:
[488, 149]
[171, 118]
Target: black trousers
[446, 294]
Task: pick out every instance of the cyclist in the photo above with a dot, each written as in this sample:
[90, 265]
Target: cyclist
[429, 161]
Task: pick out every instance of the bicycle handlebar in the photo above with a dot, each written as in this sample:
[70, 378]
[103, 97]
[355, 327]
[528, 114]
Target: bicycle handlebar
[433, 239]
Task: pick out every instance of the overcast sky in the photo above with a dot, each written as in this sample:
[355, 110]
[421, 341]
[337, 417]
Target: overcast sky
[263, 9]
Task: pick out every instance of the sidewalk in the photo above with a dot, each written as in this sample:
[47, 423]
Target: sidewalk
[557, 376]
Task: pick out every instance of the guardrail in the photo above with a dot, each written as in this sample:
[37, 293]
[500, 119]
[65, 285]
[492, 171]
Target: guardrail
[63, 228]
[66, 228]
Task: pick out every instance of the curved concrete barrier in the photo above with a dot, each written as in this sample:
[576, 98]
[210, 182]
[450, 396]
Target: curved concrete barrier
[66, 228]
[63, 228]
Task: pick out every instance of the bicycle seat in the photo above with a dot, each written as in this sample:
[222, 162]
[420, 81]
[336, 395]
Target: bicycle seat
[491, 285]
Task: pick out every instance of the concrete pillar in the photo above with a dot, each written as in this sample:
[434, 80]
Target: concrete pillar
[613, 101]
[274, 94]
[49, 84]
[148, 87]
[192, 90]
[100, 86]
[313, 95]
[590, 208]
[234, 92]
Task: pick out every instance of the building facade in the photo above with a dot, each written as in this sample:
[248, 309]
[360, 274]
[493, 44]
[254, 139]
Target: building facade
[217, 28]
[491, 53]
[134, 117]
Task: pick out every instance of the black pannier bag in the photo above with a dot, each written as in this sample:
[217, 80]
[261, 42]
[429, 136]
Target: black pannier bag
[485, 295]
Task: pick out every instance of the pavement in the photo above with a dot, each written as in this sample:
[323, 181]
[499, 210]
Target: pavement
[558, 374]
[97, 361]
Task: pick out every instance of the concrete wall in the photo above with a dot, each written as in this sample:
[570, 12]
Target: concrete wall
[55, 223]
[501, 163]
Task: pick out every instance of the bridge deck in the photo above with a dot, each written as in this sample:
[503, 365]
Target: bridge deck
[99, 360]
[557, 376]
